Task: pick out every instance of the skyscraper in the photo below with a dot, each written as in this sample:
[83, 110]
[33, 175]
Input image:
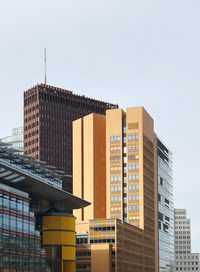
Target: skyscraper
[165, 208]
[48, 115]
[115, 168]
[184, 259]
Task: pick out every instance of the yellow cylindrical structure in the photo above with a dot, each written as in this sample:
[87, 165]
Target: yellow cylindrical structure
[59, 241]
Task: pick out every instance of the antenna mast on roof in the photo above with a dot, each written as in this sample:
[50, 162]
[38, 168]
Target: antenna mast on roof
[45, 66]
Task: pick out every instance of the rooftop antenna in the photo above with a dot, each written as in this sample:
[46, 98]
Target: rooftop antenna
[45, 66]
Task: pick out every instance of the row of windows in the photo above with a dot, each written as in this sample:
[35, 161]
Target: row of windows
[34, 141]
[17, 223]
[56, 134]
[182, 247]
[133, 166]
[32, 117]
[182, 252]
[133, 177]
[51, 141]
[134, 136]
[23, 262]
[182, 227]
[187, 257]
[33, 133]
[133, 187]
[31, 99]
[182, 237]
[115, 178]
[133, 208]
[187, 263]
[133, 197]
[31, 109]
[97, 241]
[35, 124]
[133, 157]
[187, 268]
[182, 232]
[45, 157]
[58, 118]
[182, 242]
[74, 101]
[102, 228]
[114, 138]
[184, 222]
[133, 147]
[19, 243]
[180, 217]
[15, 204]
[60, 111]
[115, 198]
[55, 126]
[115, 188]
[56, 150]
[115, 159]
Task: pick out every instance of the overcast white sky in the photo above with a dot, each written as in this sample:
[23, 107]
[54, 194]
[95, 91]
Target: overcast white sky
[124, 51]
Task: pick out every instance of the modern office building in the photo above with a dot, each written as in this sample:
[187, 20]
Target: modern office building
[34, 208]
[184, 259]
[16, 140]
[20, 242]
[115, 168]
[113, 245]
[165, 208]
[48, 115]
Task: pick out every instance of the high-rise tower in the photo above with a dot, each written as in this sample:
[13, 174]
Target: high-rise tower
[48, 115]
[115, 168]
[184, 259]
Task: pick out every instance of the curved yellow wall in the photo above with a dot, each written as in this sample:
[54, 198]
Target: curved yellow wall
[59, 233]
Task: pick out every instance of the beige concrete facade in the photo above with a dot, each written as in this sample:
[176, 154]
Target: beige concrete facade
[89, 165]
[118, 152]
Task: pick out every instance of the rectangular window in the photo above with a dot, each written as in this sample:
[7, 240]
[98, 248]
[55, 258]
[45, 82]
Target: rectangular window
[133, 177]
[133, 208]
[114, 138]
[132, 137]
[133, 166]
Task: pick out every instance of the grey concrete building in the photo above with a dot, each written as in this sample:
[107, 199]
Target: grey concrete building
[185, 260]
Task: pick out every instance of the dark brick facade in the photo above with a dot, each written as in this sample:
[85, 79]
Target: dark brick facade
[48, 115]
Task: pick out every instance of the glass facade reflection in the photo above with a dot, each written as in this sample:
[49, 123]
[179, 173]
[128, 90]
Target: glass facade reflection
[16, 139]
[20, 242]
[165, 209]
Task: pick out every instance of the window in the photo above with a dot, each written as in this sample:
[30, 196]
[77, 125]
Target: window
[115, 188]
[115, 178]
[133, 177]
[115, 159]
[133, 187]
[133, 136]
[133, 166]
[133, 208]
[114, 138]
[115, 198]
[133, 197]
[133, 147]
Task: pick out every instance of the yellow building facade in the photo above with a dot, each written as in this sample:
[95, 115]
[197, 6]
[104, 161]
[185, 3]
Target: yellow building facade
[122, 145]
